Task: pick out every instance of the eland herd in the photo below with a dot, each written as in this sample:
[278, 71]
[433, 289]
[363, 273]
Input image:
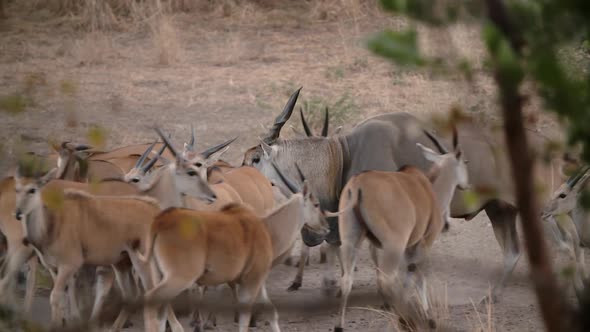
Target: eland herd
[157, 220]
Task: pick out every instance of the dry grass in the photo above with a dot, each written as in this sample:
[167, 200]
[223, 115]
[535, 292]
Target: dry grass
[165, 38]
[482, 322]
[94, 48]
[413, 318]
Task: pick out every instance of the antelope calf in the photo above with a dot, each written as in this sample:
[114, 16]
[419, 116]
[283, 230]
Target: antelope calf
[401, 213]
[232, 246]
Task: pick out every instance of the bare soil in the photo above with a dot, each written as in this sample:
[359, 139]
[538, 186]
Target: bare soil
[230, 74]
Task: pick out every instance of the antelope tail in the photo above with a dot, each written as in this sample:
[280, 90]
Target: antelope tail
[149, 247]
[360, 216]
[347, 208]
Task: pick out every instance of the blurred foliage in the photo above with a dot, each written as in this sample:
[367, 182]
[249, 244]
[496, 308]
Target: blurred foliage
[554, 37]
[189, 227]
[471, 199]
[31, 165]
[14, 103]
[97, 136]
[68, 87]
[53, 199]
[531, 41]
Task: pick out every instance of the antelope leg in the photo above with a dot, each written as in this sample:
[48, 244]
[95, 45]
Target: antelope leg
[57, 301]
[503, 218]
[303, 258]
[31, 283]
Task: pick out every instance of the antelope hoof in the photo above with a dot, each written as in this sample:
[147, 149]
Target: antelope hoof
[431, 324]
[288, 261]
[329, 288]
[128, 324]
[253, 320]
[209, 325]
[486, 299]
[446, 227]
[385, 307]
[294, 286]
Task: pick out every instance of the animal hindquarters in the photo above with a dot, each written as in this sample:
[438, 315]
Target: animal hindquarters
[352, 232]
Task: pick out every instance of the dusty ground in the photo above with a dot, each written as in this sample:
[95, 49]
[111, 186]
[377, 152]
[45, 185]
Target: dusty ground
[229, 75]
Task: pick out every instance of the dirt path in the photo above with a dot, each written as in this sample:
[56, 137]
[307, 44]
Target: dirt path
[230, 75]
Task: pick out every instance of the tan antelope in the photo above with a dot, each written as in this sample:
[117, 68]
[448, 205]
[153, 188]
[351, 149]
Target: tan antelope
[231, 246]
[158, 186]
[17, 253]
[82, 163]
[401, 213]
[568, 222]
[387, 141]
[79, 231]
[254, 188]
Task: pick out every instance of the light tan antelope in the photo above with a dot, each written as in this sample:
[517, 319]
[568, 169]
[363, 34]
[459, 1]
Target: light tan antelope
[401, 213]
[231, 246]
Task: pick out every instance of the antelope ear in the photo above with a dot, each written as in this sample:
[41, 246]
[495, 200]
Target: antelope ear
[213, 158]
[47, 177]
[306, 191]
[428, 153]
[56, 147]
[266, 149]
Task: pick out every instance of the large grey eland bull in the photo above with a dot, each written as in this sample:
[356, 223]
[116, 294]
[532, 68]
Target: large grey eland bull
[386, 142]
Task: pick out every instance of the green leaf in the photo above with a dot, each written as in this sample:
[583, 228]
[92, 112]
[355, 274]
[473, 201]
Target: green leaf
[400, 47]
[395, 5]
[53, 199]
[492, 37]
[508, 66]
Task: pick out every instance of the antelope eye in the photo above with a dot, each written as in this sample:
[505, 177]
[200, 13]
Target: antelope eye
[31, 191]
[562, 195]
[191, 173]
[198, 164]
[256, 160]
[135, 180]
